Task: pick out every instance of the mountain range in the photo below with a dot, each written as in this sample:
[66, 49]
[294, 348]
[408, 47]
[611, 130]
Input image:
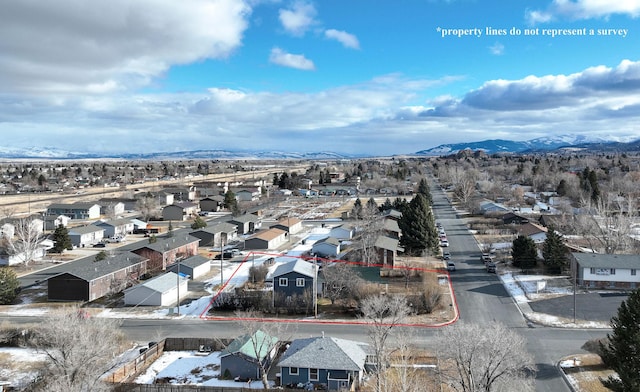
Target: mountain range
[489, 146]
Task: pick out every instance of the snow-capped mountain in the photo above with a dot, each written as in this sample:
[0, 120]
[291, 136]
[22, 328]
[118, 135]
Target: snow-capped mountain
[508, 146]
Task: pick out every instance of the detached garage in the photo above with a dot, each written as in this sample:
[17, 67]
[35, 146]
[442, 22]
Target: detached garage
[194, 266]
[159, 291]
[266, 239]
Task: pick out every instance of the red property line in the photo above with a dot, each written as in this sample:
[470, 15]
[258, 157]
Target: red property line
[334, 322]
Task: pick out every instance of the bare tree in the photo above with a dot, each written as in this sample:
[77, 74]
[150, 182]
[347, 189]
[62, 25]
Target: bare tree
[402, 375]
[80, 349]
[370, 228]
[340, 280]
[383, 313]
[477, 358]
[264, 337]
[27, 240]
[607, 225]
[148, 206]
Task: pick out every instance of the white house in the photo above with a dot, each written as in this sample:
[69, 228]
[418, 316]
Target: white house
[343, 232]
[86, 235]
[159, 291]
[602, 271]
[326, 247]
[52, 222]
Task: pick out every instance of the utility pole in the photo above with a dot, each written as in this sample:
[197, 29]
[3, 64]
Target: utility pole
[178, 286]
[221, 257]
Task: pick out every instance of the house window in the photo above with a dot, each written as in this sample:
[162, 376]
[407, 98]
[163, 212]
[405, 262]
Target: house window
[293, 371]
[593, 271]
[283, 282]
[613, 271]
[313, 374]
[633, 272]
[300, 282]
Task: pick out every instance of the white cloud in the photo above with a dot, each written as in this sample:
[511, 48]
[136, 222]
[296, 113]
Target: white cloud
[346, 39]
[298, 61]
[497, 49]
[102, 46]
[583, 9]
[299, 18]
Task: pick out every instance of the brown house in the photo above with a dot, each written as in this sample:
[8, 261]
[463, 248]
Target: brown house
[90, 279]
[387, 248]
[165, 251]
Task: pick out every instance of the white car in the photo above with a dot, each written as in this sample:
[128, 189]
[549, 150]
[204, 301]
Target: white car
[444, 243]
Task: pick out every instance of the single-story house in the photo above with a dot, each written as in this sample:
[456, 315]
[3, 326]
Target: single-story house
[240, 357]
[165, 251]
[293, 284]
[247, 223]
[163, 290]
[342, 232]
[179, 211]
[326, 247]
[392, 214]
[82, 236]
[212, 203]
[9, 258]
[387, 249]
[193, 266]
[534, 231]
[291, 225]
[490, 206]
[88, 279]
[214, 234]
[327, 363]
[75, 210]
[603, 271]
[116, 227]
[52, 222]
[266, 239]
[246, 195]
[511, 218]
[112, 208]
[128, 204]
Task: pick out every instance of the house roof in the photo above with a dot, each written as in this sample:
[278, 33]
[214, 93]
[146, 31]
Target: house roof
[288, 221]
[194, 261]
[165, 244]
[528, 229]
[74, 206]
[89, 269]
[85, 229]
[325, 353]
[246, 218]
[161, 284]
[183, 205]
[392, 213]
[388, 243]
[596, 260]
[256, 346]
[391, 225]
[328, 240]
[300, 266]
[114, 222]
[223, 227]
[269, 234]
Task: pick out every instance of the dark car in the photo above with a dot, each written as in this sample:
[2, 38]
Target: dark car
[451, 266]
[100, 245]
[491, 267]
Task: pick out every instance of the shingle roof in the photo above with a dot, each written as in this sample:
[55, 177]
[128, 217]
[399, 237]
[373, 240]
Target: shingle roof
[300, 266]
[85, 229]
[245, 218]
[164, 244]
[325, 353]
[114, 222]
[194, 261]
[329, 240]
[385, 242]
[256, 346]
[223, 227]
[89, 269]
[595, 260]
[268, 235]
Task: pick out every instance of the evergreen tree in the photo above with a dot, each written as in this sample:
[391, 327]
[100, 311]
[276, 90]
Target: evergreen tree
[423, 188]
[371, 204]
[100, 256]
[387, 205]
[61, 239]
[275, 179]
[400, 205]
[356, 211]
[563, 188]
[415, 227]
[9, 285]
[198, 223]
[170, 229]
[621, 352]
[524, 252]
[230, 202]
[554, 252]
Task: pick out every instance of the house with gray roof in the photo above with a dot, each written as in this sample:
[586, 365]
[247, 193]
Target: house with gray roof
[295, 285]
[193, 266]
[387, 249]
[116, 227]
[180, 211]
[326, 247]
[163, 290]
[241, 358]
[166, 250]
[247, 223]
[603, 271]
[76, 210]
[89, 279]
[325, 363]
[88, 235]
[213, 234]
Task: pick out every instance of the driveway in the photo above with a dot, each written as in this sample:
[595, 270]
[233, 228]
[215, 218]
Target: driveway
[589, 306]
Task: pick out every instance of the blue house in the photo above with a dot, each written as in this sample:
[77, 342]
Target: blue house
[332, 363]
[293, 285]
[242, 359]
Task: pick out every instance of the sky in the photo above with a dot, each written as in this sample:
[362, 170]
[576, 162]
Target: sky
[372, 77]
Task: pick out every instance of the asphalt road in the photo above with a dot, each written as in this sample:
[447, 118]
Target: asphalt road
[482, 299]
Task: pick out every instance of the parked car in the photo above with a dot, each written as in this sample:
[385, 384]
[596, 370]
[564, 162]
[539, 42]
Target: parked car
[491, 267]
[446, 255]
[444, 243]
[451, 266]
[486, 258]
[100, 245]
